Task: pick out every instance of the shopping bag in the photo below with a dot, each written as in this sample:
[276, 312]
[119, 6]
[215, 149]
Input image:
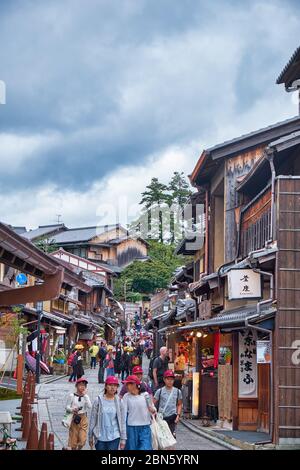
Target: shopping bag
[153, 428]
[164, 436]
[67, 419]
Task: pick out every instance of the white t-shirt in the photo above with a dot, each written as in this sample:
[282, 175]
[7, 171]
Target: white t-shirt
[136, 409]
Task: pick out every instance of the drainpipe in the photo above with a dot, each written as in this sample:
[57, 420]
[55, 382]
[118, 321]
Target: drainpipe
[206, 231]
[270, 156]
[267, 301]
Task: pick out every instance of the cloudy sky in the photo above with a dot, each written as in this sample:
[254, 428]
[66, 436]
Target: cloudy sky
[102, 95]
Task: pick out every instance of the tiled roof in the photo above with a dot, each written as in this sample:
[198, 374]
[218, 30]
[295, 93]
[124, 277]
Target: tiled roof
[82, 234]
[42, 230]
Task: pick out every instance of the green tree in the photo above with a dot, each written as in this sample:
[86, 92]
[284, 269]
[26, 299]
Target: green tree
[146, 277]
[47, 245]
[153, 198]
[179, 194]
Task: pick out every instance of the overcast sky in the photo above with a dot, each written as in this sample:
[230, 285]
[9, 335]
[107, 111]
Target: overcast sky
[102, 95]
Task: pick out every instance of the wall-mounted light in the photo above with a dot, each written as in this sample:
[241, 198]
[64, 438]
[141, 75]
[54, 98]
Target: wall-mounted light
[205, 336]
[199, 334]
[192, 333]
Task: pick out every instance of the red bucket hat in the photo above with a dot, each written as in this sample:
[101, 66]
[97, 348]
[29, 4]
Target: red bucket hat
[132, 379]
[137, 370]
[111, 380]
[82, 379]
[169, 373]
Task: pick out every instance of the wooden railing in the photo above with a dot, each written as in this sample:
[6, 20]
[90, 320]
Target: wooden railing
[256, 224]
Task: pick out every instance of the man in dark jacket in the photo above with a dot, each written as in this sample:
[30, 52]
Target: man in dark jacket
[101, 355]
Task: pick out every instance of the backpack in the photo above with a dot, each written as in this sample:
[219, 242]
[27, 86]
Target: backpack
[70, 360]
[150, 370]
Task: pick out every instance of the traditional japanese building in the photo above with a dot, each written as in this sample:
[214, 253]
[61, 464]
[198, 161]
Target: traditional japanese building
[246, 286]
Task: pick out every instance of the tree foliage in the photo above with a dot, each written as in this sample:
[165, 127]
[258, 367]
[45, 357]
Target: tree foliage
[162, 207]
[146, 277]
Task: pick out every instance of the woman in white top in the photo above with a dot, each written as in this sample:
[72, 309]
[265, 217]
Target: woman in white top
[138, 408]
[79, 403]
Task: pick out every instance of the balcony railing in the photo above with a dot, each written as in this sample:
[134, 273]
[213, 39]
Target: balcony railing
[256, 223]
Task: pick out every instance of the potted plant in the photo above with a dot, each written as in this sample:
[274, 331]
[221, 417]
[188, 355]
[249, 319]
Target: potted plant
[227, 357]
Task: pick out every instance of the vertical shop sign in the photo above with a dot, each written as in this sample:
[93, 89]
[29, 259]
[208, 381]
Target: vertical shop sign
[247, 364]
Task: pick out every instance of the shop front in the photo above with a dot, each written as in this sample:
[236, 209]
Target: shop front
[233, 357]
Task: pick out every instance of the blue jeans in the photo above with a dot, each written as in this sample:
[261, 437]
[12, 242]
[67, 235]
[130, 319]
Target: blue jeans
[107, 445]
[93, 362]
[138, 438]
[110, 372]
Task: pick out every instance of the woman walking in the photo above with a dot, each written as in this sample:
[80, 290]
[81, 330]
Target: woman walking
[107, 429]
[138, 408]
[109, 362]
[78, 404]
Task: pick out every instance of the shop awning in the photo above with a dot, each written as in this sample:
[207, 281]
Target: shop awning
[56, 319]
[232, 318]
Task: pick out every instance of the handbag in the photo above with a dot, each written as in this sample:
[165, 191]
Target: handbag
[67, 419]
[153, 428]
[162, 433]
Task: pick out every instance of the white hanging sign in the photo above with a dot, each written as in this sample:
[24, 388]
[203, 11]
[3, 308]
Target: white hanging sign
[247, 364]
[264, 355]
[244, 284]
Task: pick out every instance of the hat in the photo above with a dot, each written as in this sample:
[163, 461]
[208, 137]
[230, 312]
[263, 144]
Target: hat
[111, 380]
[79, 346]
[132, 379]
[82, 379]
[169, 373]
[137, 370]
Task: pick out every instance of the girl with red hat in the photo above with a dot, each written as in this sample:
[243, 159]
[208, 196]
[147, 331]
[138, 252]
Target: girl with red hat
[79, 403]
[138, 407]
[107, 429]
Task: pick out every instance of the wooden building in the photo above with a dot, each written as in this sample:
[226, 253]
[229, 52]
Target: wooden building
[251, 198]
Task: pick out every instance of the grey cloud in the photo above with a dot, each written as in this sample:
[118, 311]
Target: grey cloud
[119, 81]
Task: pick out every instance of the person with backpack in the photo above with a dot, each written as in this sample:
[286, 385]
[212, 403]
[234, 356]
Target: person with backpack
[107, 430]
[160, 365]
[168, 401]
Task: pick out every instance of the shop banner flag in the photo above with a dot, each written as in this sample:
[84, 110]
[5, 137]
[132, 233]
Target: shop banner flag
[247, 364]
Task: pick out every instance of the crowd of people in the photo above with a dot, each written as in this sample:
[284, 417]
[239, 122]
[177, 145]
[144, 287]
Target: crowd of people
[121, 415]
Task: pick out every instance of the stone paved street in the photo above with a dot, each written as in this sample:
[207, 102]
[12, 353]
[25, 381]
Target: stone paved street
[188, 440]
[52, 399]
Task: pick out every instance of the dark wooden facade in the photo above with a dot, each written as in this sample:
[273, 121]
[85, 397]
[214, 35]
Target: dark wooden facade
[287, 371]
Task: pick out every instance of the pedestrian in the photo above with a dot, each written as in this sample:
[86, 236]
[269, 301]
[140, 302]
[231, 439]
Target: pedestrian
[160, 365]
[93, 352]
[118, 356]
[72, 361]
[78, 403]
[79, 367]
[109, 362]
[138, 372]
[107, 430]
[125, 363]
[101, 356]
[138, 407]
[168, 401]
